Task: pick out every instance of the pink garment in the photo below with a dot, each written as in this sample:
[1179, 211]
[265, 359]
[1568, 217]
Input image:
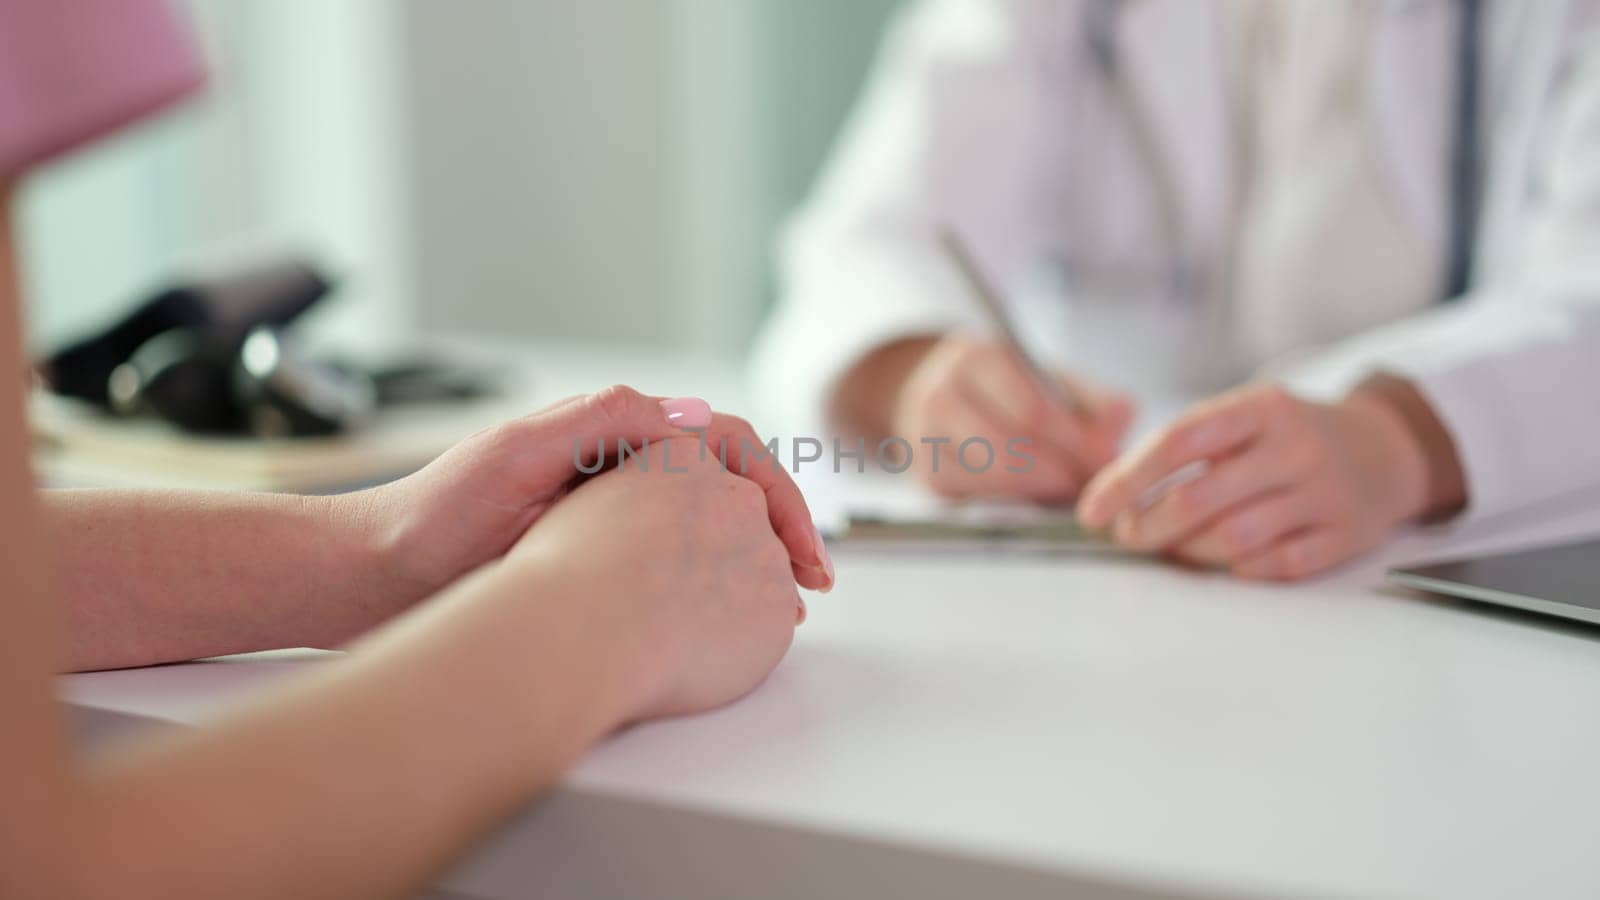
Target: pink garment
[73, 70]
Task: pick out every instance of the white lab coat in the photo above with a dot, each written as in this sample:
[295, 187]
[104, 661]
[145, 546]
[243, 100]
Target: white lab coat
[980, 114]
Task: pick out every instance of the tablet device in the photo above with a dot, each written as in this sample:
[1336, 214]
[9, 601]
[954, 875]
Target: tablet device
[1558, 581]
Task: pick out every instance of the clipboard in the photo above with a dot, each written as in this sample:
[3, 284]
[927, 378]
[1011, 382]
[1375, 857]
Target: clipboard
[977, 529]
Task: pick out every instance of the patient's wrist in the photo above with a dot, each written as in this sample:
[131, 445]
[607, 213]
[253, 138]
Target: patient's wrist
[361, 549]
[606, 656]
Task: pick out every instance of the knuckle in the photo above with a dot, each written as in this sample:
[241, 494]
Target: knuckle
[1275, 398]
[1277, 565]
[1280, 407]
[506, 437]
[1188, 502]
[1304, 449]
[1299, 561]
[1228, 546]
[941, 398]
[616, 401]
[1173, 445]
[684, 453]
[965, 349]
[746, 495]
[1311, 454]
[943, 485]
[1176, 506]
[1186, 440]
[1237, 535]
[741, 429]
[1322, 506]
[774, 556]
[1054, 483]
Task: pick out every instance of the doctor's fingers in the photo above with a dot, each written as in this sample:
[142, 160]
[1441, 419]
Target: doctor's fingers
[1106, 416]
[1302, 554]
[1011, 397]
[1251, 528]
[1213, 429]
[997, 461]
[1261, 468]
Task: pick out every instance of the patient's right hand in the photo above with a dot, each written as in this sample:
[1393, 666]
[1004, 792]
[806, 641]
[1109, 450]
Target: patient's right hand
[964, 387]
[687, 587]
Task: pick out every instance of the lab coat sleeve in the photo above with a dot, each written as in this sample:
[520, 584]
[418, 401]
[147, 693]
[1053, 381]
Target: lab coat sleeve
[1513, 370]
[949, 131]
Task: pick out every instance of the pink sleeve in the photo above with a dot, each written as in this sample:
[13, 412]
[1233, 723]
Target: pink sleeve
[72, 70]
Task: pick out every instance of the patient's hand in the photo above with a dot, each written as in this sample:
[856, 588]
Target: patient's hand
[686, 590]
[1292, 488]
[473, 503]
[964, 388]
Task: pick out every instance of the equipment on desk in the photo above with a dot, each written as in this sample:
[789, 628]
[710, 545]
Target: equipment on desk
[206, 385]
[1557, 581]
[211, 358]
[215, 357]
[223, 310]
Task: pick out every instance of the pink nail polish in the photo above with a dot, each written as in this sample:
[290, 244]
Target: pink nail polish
[822, 555]
[687, 412]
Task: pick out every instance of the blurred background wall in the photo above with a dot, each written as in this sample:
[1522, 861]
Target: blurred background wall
[610, 170]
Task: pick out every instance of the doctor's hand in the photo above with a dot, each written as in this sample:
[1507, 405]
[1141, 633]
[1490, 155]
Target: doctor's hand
[964, 388]
[473, 503]
[1288, 488]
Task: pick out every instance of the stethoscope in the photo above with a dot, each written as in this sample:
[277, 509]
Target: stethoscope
[1181, 275]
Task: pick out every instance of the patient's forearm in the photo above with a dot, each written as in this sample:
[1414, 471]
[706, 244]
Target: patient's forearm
[160, 576]
[371, 774]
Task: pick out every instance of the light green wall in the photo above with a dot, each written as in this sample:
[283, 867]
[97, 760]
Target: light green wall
[814, 56]
[541, 139]
[617, 169]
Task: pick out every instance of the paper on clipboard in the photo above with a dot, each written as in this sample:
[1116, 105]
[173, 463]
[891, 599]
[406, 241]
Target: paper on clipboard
[896, 515]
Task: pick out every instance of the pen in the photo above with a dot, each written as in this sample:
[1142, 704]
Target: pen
[982, 289]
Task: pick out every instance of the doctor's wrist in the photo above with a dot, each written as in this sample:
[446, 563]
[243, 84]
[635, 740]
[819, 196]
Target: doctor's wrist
[1444, 491]
[869, 395]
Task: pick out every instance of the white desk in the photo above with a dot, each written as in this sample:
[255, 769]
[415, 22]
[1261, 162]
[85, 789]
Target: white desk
[966, 727]
[1017, 728]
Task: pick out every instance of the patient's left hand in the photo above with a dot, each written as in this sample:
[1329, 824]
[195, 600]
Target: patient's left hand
[1291, 488]
[472, 504]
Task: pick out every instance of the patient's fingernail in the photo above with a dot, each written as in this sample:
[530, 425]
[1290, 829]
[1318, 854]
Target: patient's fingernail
[823, 557]
[687, 412]
[800, 615]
